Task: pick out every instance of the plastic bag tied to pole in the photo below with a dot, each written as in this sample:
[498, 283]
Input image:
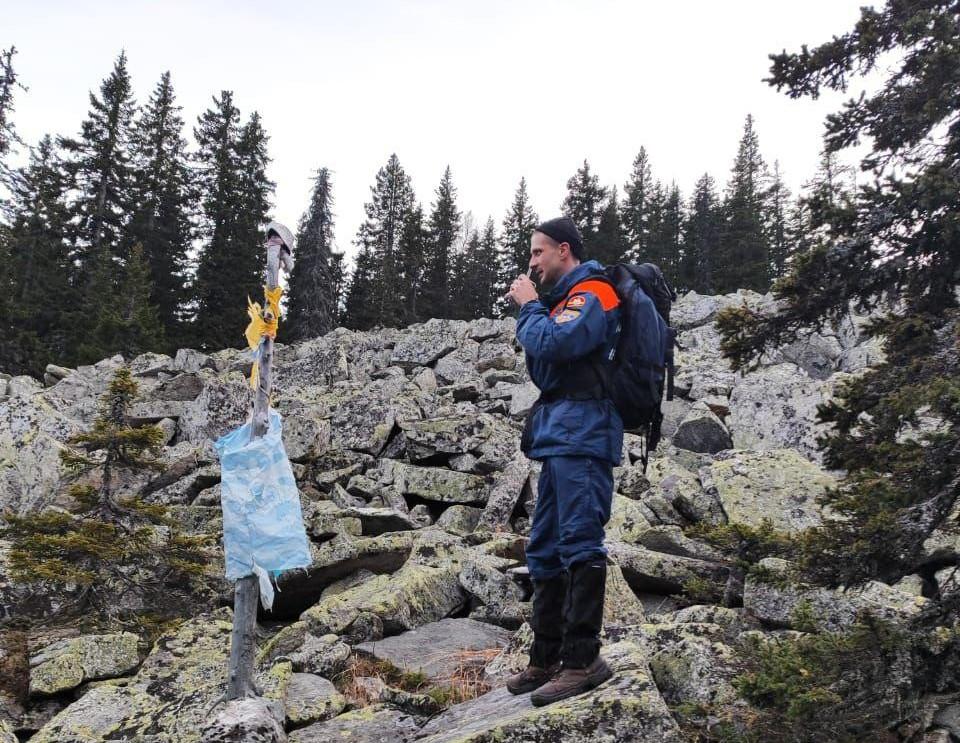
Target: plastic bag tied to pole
[263, 530]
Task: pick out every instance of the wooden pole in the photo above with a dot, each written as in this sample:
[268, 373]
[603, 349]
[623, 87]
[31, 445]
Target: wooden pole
[243, 640]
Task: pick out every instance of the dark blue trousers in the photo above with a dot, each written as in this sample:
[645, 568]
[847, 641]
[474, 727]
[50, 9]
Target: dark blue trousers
[573, 506]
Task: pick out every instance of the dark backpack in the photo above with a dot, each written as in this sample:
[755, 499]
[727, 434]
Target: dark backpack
[643, 360]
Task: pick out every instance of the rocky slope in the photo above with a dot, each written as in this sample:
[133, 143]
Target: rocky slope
[416, 499]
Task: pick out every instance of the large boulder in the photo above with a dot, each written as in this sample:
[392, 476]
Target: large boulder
[68, 663]
[440, 485]
[628, 707]
[414, 595]
[440, 649]
[775, 407]
[32, 433]
[223, 405]
[780, 486]
[775, 595]
[170, 696]
[377, 723]
[702, 431]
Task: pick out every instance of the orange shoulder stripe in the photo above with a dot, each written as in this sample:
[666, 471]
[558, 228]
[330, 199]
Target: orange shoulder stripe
[601, 290]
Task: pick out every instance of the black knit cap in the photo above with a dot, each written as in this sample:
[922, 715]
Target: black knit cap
[563, 230]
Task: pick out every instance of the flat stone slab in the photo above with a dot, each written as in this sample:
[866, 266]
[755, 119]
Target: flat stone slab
[436, 648]
[624, 709]
[374, 724]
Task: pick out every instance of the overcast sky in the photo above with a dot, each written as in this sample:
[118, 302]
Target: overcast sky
[496, 89]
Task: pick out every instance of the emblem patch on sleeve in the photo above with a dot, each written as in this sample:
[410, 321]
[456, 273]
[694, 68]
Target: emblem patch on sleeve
[568, 315]
[576, 301]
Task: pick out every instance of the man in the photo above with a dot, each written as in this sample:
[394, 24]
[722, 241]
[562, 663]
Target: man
[574, 430]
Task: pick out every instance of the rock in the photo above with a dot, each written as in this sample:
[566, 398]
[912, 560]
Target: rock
[422, 348]
[943, 544]
[504, 495]
[31, 436]
[522, 398]
[222, 406]
[496, 356]
[658, 572]
[311, 698]
[773, 594]
[445, 435]
[169, 696]
[23, 386]
[6, 732]
[191, 361]
[169, 428]
[426, 380]
[335, 559]
[324, 656]
[68, 663]
[413, 596]
[245, 721]
[460, 520]
[62, 372]
[377, 723]
[628, 707]
[696, 671]
[627, 520]
[304, 436]
[776, 408]
[375, 521]
[440, 649]
[485, 328]
[434, 484]
[781, 486]
[702, 431]
[816, 354]
[363, 421]
[620, 604]
[482, 577]
[671, 539]
[150, 365]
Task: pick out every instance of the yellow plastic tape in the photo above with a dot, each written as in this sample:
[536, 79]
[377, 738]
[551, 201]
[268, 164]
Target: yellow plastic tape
[262, 325]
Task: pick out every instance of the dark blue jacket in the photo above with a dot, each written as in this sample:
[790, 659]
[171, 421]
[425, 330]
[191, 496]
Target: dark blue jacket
[563, 333]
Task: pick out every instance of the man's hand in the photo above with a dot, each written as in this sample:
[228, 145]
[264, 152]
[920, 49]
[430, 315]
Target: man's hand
[522, 290]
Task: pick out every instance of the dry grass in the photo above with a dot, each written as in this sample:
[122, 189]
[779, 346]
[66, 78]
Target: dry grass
[465, 682]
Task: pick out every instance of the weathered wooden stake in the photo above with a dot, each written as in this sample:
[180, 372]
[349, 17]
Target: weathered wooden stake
[243, 640]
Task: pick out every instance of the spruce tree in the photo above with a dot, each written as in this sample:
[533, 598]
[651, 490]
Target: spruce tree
[779, 233]
[485, 276]
[611, 242]
[894, 251]
[163, 202]
[515, 232]
[313, 292]
[255, 191]
[116, 557]
[374, 297]
[656, 247]
[414, 240]
[100, 164]
[40, 291]
[744, 258]
[701, 238]
[584, 204]
[670, 235]
[444, 229]
[636, 206]
[8, 134]
[228, 271]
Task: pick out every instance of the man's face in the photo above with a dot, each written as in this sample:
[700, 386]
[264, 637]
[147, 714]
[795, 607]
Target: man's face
[547, 259]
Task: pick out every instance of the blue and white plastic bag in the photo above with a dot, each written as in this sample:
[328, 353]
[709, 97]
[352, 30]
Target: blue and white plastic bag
[263, 528]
